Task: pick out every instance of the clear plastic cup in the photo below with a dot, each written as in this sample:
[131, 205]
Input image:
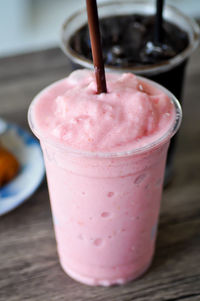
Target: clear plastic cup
[105, 206]
[169, 74]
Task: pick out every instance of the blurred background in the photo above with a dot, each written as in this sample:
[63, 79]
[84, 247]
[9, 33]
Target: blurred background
[29, 25]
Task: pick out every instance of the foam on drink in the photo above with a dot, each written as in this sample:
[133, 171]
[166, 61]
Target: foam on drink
[130, 115]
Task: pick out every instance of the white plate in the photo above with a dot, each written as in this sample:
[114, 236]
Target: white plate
[28, 152]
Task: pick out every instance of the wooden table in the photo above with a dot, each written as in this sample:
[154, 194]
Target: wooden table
[29, 267]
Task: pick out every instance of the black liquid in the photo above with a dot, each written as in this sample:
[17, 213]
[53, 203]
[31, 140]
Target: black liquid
[128, 41]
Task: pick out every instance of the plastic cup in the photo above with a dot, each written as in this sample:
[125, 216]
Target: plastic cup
[105, 206]
[169, 73]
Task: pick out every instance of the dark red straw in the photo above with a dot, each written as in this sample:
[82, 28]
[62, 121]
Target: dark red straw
[158, 30]
[93, 22]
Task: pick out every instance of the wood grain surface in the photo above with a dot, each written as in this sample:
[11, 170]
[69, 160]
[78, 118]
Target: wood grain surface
[29, 267]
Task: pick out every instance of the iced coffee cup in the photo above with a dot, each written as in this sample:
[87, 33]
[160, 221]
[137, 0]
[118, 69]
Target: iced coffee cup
[105, 158]
[123, 25]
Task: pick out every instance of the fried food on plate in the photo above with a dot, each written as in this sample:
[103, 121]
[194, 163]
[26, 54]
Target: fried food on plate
[9, 166]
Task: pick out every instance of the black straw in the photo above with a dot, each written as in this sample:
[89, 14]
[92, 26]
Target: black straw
[158, 30]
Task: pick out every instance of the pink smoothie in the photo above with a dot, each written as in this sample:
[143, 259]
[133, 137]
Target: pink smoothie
[105, 158]
[132, 114]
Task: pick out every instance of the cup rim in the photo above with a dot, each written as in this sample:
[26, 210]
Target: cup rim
[160, 141]
[145, 70]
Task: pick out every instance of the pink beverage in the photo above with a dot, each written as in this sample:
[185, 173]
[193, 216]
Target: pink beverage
[105, 158]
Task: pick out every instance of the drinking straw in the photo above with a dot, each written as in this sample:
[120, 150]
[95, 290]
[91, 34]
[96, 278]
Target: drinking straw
[95, 38]
[158, 29]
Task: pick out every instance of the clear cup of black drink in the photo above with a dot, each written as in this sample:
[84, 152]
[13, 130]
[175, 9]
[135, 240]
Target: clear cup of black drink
[127, 30]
